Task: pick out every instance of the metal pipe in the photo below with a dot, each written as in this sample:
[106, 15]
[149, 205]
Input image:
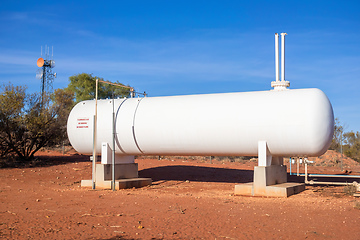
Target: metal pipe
[277, 57]
[94, 141]
[113, 146]
[332, 175]
[328, 183]
[283, 56]
[326, 175]
[93, 157]
[290, 165]
[132, 91]
[312, 182]
[132, 94]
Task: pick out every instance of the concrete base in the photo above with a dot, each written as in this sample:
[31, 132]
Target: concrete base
[270, 175]
[269, 181]
[126, 176]
[119, 184]
[277, 190]
[122, 171]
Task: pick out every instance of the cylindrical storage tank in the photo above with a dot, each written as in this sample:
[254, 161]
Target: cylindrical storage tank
[292, 122]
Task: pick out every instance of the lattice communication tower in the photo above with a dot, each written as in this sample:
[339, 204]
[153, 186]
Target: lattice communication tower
[46, 73]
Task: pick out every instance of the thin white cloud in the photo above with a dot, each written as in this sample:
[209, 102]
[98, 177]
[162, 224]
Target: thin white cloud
[17, 16]
[17, 60]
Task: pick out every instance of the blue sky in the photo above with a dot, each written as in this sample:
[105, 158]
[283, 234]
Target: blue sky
[189, 47]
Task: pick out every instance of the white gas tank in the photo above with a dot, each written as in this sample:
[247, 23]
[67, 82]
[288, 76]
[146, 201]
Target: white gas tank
[292, 122]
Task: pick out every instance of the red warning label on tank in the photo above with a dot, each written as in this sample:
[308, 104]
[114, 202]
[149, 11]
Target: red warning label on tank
[82, 123]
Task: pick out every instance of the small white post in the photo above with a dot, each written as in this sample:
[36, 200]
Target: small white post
[306, 172]
[298, 167]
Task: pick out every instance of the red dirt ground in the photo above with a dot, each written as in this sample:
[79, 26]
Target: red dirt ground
[189, 199]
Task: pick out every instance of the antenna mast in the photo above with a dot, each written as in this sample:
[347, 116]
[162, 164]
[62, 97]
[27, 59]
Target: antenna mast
[45, 73]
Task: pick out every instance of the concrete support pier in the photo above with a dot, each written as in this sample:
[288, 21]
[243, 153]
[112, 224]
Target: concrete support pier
[269, 180]
[125, 171]
[126, 176]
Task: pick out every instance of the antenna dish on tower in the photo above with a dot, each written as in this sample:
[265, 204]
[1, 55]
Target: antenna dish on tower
[39, 74]
[40, 62]
[52, 63]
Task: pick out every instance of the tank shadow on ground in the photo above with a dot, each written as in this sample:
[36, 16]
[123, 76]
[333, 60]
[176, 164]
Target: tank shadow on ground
[204, 174]
[58, 160]
[196, 173]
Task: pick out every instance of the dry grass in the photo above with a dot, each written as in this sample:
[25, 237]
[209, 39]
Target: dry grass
[350, 189]
[357, 205]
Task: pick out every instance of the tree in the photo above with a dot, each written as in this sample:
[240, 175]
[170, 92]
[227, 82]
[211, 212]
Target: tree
[27, 124]
[83, 85]
[352, 145]
[349, 142]
[63, 102]
[338, 136]
[12, 101]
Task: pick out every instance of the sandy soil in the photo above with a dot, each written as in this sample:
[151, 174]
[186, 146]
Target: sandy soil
[189, 199]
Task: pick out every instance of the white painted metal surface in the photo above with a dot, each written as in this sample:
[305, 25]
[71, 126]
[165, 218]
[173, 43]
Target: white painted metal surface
[292, 122]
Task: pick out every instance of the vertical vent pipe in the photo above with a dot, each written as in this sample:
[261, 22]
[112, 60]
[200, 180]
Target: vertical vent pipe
[283, 56]
[277, 57]
[280, 84]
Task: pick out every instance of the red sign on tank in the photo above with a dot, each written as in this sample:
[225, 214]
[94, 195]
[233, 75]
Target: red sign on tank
[82, 123]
